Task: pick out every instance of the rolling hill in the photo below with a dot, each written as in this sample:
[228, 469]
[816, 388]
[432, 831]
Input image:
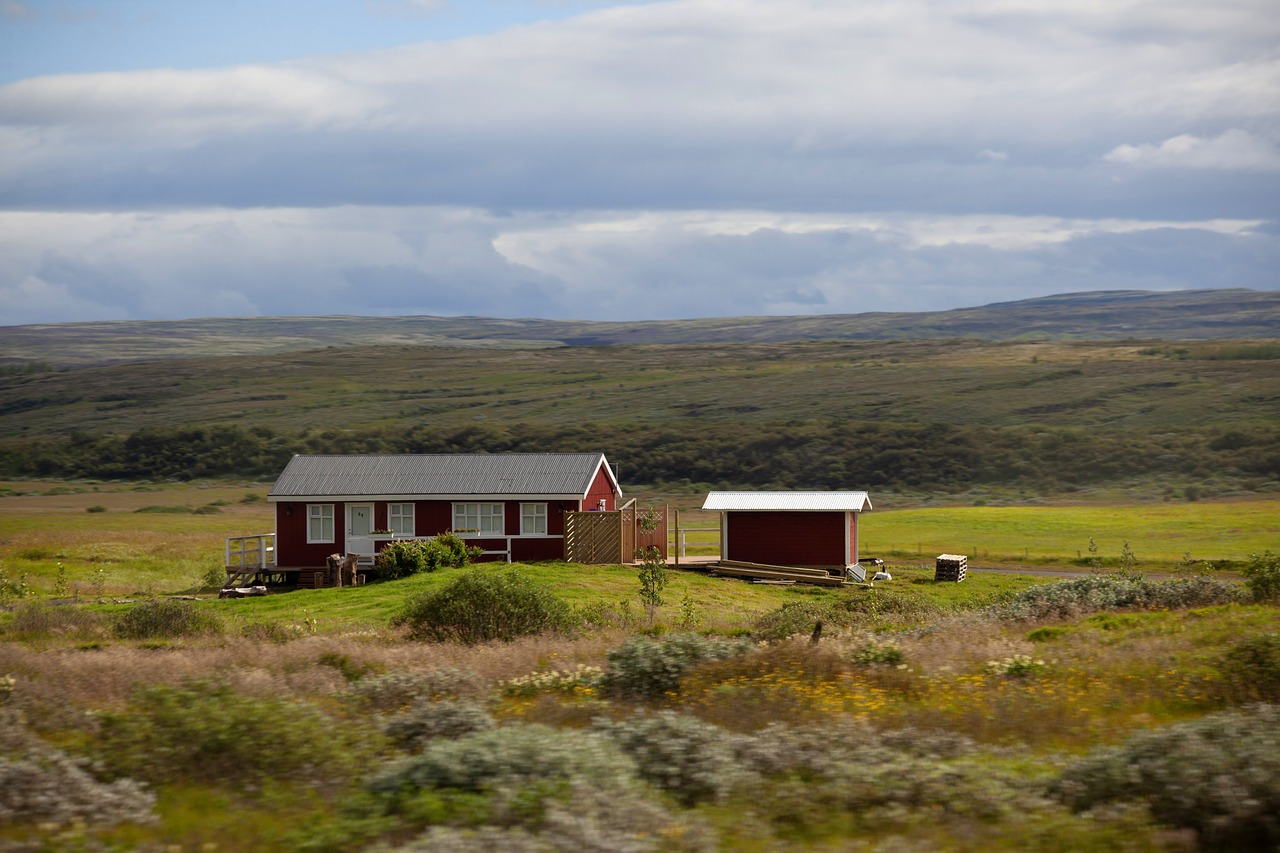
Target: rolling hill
[1099, 316]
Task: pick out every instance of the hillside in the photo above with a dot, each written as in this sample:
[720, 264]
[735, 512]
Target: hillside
[1104, 315]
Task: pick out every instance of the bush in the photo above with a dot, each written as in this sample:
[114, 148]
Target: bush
[1219, 776]
[682, 755]
[36, 620]
[411, 556]
[1251, 669]
[511, 756]
[853, 608]
[648, 669]
[485, 604]
[1093, 593]
[205, 732]
[428, 720]
[41, 784]
[165, 619]
[1262, 576]
[396, 691]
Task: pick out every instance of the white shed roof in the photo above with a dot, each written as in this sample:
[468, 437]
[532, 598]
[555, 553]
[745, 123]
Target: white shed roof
[788, 501]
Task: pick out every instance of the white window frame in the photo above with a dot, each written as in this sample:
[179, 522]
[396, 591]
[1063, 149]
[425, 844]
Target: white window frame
[469, 519]
[322, 513]
[535, 513]
[400, 521]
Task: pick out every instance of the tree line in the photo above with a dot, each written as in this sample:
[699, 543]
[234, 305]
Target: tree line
[810, 454]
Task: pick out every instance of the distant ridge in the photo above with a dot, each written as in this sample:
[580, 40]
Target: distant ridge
[1098, 315]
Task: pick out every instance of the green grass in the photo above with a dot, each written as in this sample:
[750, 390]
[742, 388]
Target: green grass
[1159, 533]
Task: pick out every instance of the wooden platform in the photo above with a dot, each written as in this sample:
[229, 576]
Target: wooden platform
[774, 574]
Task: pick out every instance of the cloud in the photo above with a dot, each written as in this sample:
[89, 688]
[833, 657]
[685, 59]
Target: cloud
[1234, 149]
[695, 104]
[620, 266]
[683, 158]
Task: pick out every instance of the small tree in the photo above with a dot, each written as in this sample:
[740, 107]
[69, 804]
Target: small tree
[653, 574]
[1262, 576]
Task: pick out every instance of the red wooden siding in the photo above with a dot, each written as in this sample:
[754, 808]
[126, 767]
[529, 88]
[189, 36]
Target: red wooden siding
[853, 537]
[787, 538]
[430, 518]
[601, 488]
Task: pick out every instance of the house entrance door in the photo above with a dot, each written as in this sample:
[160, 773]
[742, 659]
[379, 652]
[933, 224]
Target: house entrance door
[359, 525]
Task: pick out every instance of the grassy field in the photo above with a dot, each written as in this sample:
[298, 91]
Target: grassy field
[965, 382]
[47, 528]
[930, 715]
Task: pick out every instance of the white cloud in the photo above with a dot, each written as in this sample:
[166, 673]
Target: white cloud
[1234, 149]
[622, 265]
[755, 156]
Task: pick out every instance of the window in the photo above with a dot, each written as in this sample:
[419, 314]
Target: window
[482, 519]
[319, 522]
[533, 519]
[400, 519]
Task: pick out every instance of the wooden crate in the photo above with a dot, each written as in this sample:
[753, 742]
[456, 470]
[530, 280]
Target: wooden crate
[950, 567]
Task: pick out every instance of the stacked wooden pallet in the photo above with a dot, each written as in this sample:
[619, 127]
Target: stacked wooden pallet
[950, 567]
[775, 574]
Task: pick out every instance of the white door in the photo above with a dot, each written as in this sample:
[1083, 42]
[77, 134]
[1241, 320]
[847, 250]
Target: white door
[359, 524]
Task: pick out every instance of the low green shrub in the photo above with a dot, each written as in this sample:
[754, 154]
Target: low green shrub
[36, 620]
[878, 653]
[1094, 593]
[1251, 669]
[157, 619]
[485, 604]
[209, 733]
[644, 668]
[40, 784]
[395, 691]
[1219, 776]
[1262, 576]
[428, 720]
[684, 756]
[410, 556]
[511, 756]
[855, 607]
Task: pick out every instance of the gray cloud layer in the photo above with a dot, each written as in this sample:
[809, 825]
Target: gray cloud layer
[688, 158]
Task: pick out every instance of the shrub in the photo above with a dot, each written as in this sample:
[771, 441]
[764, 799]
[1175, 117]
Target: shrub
[41, 784]
[1093, 593]
[682, 755]
[511, 756]
[1251, 669]
[428, 720]
[165, 619]
[206, 732]
[873, 653]
[1262, 576]
[643, 668]
[411, 556]
[853, 608]
[36, 620]
[398, 690]
[485, 604]
[95, 508]
[1219, 776]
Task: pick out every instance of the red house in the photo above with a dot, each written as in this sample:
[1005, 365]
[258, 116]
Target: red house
[789, 528]
[511, 505]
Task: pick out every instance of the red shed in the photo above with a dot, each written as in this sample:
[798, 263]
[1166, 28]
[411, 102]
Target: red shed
[510, 504]
[789, 528]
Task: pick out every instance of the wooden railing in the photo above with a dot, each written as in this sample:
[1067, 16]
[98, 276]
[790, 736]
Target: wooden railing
[257, 552]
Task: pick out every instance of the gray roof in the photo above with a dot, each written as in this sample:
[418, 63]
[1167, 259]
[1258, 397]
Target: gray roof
[788, 501]
[445, 475]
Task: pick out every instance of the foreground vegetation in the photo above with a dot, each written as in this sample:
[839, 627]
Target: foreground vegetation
[542, 707]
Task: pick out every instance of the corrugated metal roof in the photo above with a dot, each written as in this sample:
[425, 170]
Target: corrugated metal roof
[439, 474]
[788, 501]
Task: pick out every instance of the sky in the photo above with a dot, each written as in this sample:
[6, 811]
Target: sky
[599, 160]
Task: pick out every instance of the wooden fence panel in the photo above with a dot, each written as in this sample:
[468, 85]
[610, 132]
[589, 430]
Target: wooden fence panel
[593, 537]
